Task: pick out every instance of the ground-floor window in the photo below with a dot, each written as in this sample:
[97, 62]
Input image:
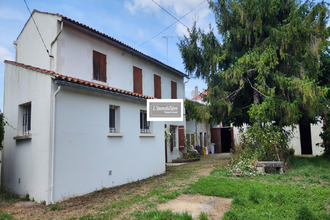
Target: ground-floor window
[144, 124]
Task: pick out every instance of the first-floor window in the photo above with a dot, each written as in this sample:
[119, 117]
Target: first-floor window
[26, 118]
[174, 136]
[113, 119]
[144, 124]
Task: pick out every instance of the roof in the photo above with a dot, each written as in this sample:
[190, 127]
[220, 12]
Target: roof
[115, 42]
[79, 81]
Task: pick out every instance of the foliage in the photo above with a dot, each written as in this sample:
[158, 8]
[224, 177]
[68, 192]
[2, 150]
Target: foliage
[2, 129]
[196, 111]
[277, 196]
[4, 215]
[162, 215]
[244, 159]
[191, 154]
[270, 140]
[266, 69]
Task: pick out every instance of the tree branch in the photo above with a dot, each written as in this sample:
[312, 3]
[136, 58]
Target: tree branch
[256, 89]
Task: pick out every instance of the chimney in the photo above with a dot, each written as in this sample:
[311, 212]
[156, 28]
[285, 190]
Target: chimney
[196, 92]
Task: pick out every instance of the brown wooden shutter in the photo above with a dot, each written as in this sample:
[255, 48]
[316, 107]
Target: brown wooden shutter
[99, 66]
[181, 137]
[193, 140]
[157, 87]
[172, 141]
[165, 128]
[137, 80]
[173, 90]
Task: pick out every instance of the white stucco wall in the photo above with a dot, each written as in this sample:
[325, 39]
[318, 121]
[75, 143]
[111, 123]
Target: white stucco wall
[316, 130]
[294, 141]
[30, 49]
[25, 162]
[194, 127]
[85, 154]
[75, 58]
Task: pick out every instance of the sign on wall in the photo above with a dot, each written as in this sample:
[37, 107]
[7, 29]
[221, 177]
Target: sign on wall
[165, 110]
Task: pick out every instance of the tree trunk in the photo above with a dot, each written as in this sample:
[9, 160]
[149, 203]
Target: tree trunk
[256, 99]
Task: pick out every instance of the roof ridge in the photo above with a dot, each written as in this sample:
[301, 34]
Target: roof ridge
[77, 80]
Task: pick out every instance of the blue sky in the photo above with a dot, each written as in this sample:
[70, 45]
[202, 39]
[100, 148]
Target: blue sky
[133, 22]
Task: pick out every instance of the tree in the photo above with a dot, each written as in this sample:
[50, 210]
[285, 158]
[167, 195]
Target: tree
[266, 68]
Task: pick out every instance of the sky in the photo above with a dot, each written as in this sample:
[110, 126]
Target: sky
[142, 24]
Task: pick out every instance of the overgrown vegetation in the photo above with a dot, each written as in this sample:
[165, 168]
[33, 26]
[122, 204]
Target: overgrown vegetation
[266, 69]
[196, 111]
[301, 193]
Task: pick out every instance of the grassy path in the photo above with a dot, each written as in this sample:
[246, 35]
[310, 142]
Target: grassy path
[123, 202]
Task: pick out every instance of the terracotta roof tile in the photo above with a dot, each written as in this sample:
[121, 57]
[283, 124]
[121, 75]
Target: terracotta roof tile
[78, 81]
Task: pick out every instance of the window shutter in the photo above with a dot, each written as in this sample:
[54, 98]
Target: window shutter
[157, 87]
[201, 139]
[172, 140]
[181, 137]
[193, 140]
[99, 66]
[205, 140]
[137, 80]
[96, 65]
[173, 90]
[103, 67]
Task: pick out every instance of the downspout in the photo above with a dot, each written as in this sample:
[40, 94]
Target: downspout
[51, 46]
[53, 146]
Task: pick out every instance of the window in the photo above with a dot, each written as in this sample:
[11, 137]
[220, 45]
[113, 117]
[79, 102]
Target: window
[144, 124]
[173, 90]
[137, 80]
[157, 87]
[113, 119]
[24, 119]
[99, 66]
[174, 137]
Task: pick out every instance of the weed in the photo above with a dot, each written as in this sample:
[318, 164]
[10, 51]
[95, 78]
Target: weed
[56, 207]
[87, 217]
[4, 215]
[304, 213]
[161, 215]
[203, 216]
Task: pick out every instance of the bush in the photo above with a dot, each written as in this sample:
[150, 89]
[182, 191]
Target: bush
[191, 155]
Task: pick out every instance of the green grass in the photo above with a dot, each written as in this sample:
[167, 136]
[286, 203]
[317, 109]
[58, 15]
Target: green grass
[301, 193]
[160, 215]
[4, 215]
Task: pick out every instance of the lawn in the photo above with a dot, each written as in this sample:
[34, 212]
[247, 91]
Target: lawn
[303, 192]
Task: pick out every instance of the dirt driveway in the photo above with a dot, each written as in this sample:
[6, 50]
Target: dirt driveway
[121, 202]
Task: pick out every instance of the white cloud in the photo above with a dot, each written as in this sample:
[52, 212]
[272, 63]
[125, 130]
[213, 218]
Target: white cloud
[10, 14]
[5, 54]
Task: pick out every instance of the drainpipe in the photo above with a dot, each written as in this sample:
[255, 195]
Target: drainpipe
[53, 147]
[51, 46]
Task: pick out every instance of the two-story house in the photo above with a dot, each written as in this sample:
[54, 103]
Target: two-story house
[75, 102]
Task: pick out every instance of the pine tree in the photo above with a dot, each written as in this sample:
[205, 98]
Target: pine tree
[264, 66]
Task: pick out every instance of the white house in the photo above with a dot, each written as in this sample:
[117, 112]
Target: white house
[76, 108]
